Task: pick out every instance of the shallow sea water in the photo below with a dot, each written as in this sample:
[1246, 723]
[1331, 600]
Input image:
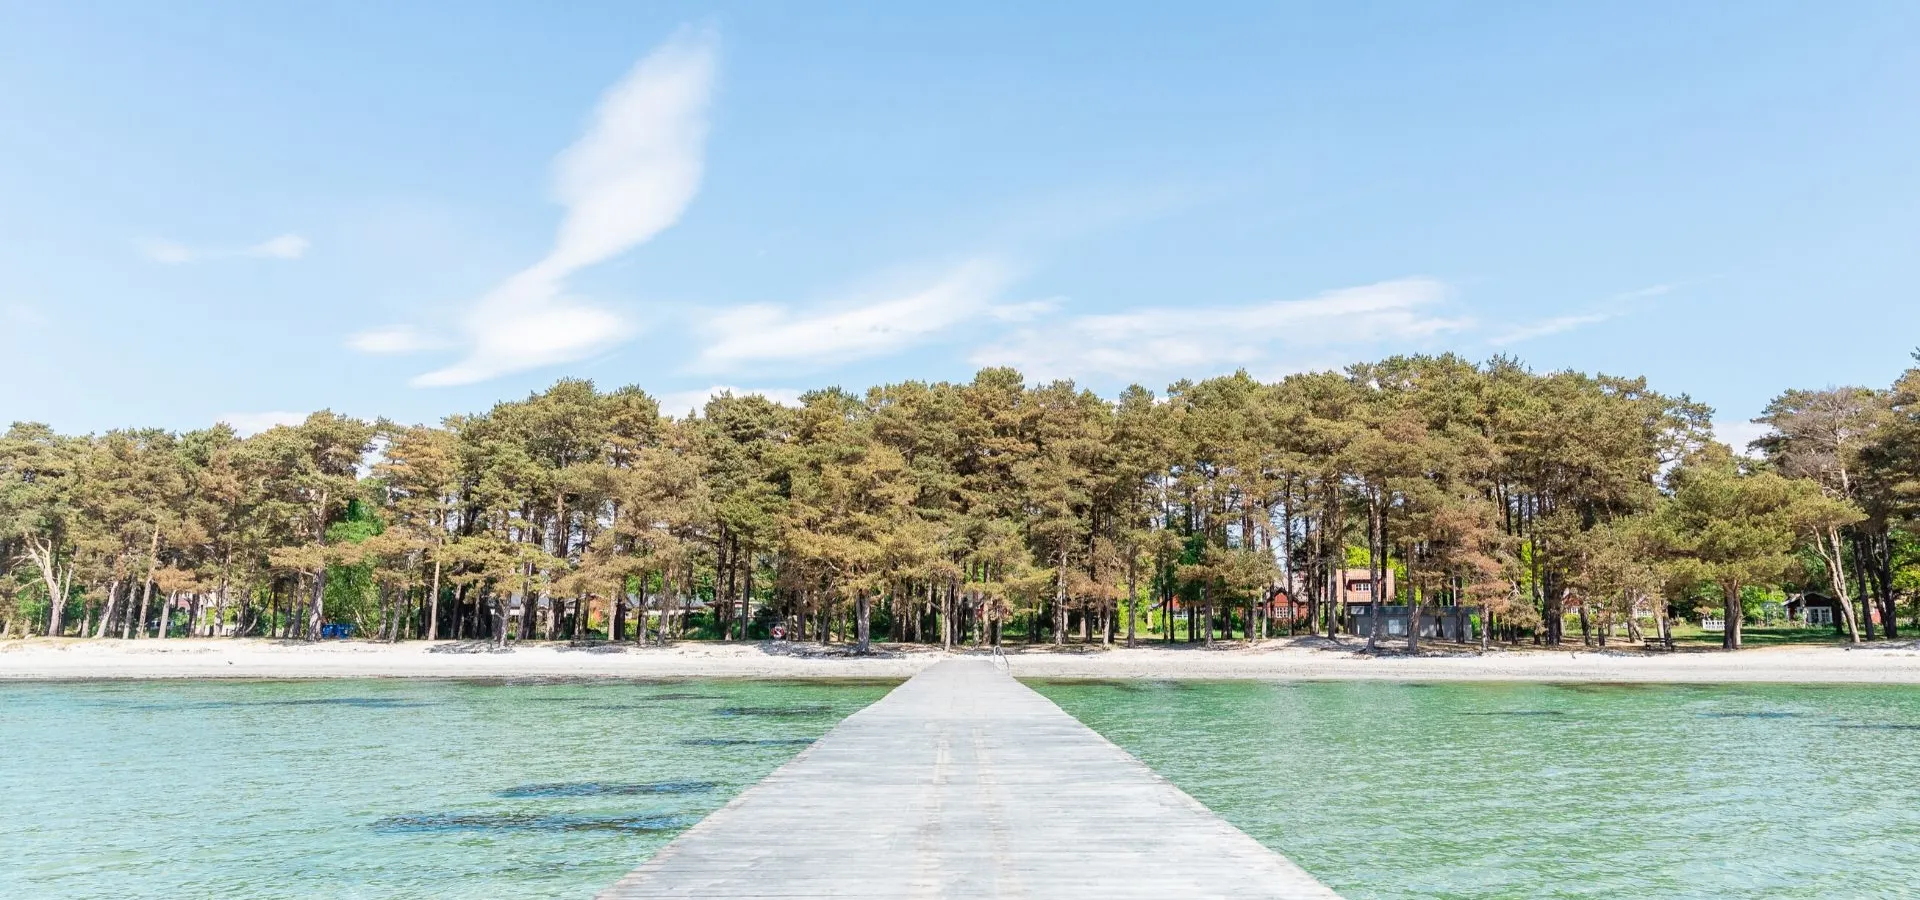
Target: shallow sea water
[1387, 790]
[445, 789]
[376, 789]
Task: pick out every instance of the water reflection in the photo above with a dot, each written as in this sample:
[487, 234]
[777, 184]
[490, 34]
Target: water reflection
[599, 789]
[524, 822]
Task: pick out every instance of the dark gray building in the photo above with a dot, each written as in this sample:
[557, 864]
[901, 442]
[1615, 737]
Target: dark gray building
[1446, 623]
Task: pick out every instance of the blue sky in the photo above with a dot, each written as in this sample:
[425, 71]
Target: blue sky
[241, 211]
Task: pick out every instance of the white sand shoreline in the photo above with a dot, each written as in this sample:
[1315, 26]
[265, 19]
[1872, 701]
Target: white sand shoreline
[70, 659]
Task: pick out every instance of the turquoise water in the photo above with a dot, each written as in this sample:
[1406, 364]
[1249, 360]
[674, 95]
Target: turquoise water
[1520, 791]
[402, 789]
[376, 789]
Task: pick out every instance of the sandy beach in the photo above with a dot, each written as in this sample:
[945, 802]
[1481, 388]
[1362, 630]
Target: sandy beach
[42, 659]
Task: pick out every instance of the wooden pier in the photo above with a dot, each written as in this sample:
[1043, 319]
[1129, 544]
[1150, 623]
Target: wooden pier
[965, 783]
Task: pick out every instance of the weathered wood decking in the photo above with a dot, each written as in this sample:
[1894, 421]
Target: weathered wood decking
[965, 783]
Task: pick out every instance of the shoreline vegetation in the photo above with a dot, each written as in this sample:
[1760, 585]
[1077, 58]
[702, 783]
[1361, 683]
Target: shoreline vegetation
[62, 659]
[1400, 501]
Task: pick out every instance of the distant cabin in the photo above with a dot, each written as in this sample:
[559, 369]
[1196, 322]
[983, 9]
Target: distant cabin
[1815, 608]
[1356, 586]
[1354, 590]
[1285, 606]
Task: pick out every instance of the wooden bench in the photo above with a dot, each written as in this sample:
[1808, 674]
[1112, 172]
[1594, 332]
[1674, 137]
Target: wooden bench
[1656, 642]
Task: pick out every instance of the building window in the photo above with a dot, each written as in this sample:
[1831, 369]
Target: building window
[1819, 615]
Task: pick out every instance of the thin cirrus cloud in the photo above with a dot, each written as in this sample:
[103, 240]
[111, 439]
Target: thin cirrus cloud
[174, 253]
[771, 334]
[1548, 327]
[1158, 341]
[679, 403]
[1738, 434]
[1612, 308]
[1026, 311]
[628, 178]
[394, 339]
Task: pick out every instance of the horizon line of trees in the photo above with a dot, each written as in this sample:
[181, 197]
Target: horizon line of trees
[956, 513]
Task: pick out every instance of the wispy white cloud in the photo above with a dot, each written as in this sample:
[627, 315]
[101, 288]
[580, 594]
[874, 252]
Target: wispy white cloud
[393, 339]
[251, 423]
[1155, 341]
[165, 252]
[286, 246]
[1545, 327]
[746, 336]
[174, 253]
[679, 403]
[1025, 312]
[1611, 308]
[1738, 434]
[1652, 290]
[629, 177]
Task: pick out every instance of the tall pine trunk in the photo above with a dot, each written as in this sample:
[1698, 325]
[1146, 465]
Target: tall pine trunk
[106, 613]
[1730, 637]
[1860, 575]
[1833, 552]
[1376, 564]
[949, 606]
[1880, 566]
[317, 610]
[433, 605]
[863, 611]
[1060, 602]
[1416, 603]
[1206, 611]
[138, 624]
[746, 591]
